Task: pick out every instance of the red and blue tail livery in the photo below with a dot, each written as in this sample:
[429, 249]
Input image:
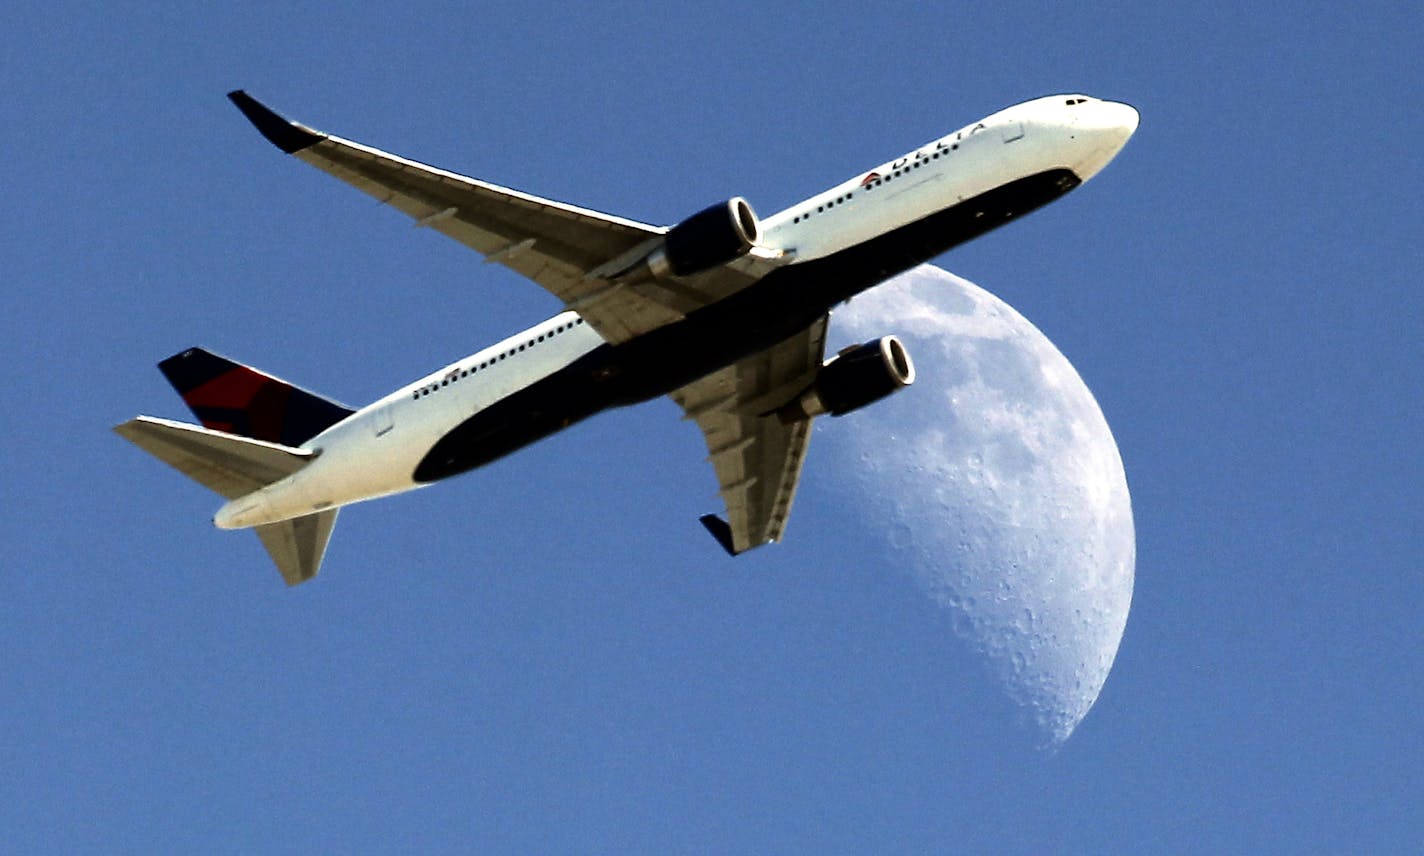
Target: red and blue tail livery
[238, 399]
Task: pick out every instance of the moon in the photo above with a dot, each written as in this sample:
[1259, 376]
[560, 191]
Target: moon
[998, 479]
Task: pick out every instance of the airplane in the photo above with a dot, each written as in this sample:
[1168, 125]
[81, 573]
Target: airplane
[725, 312]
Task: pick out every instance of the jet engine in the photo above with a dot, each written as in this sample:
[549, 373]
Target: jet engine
[857, 376]
[707, 239]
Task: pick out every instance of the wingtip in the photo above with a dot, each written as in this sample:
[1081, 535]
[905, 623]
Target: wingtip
[282, 133]
[125, 429]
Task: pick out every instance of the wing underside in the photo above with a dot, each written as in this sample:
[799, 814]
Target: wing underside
[574, 253]
[757, 456]
[582, 257]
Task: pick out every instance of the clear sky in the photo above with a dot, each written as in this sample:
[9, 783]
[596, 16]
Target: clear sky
[550, 655]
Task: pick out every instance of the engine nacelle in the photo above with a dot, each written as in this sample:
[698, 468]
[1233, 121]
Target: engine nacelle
[707, 239]
[857, 376]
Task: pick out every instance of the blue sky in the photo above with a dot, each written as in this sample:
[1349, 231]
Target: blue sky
[549, 655]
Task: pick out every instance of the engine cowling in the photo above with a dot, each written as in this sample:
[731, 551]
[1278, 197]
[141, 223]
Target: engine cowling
[857, 376]
[709, 238]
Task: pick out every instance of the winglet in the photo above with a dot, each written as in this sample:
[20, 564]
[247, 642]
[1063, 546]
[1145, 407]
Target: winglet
[720, 530]
[285, 135]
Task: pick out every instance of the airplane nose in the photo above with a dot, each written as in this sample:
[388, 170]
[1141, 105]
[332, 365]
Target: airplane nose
[1124, 117]
[1109, 120]
[1105, 129]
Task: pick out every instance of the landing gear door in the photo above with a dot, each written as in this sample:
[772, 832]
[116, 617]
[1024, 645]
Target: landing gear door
[1012, 131]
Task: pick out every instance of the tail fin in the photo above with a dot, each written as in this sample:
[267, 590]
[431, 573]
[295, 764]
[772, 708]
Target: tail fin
[237, 399]
[236, 466]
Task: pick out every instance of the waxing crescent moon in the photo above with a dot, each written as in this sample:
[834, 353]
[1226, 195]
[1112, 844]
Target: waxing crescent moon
[1000, 479]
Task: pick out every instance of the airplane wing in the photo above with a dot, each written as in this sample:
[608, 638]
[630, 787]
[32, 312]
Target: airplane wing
[756, 455]
[569, 251]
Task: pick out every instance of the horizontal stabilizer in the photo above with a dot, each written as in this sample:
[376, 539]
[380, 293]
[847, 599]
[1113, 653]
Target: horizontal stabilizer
[297, 545]
[236, 466]
[231, 466]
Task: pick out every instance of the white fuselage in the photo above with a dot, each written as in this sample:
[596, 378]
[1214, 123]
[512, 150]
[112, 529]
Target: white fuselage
[376, 450]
